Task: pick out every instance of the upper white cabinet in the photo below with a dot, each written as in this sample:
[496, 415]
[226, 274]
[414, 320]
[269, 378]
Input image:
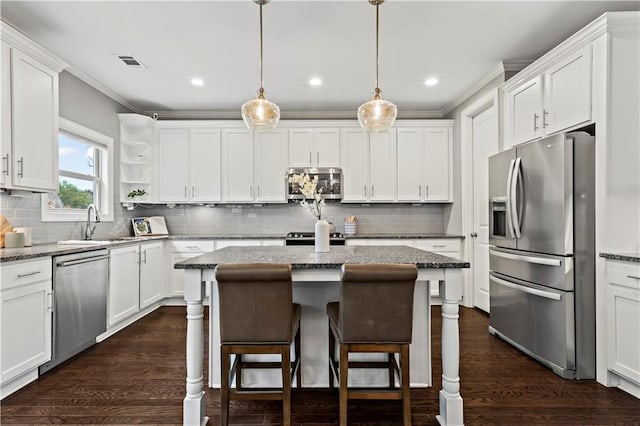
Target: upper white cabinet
[368, 165]
[425, 164]
[314, 147]
[137, 158]
[557, 98]
[254, 165]
[29, 114]
[189, 165]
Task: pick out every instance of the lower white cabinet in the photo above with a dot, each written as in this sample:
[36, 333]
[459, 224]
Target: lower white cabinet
[623, 320]
[183, 250]
[26, 304]
[136, 279]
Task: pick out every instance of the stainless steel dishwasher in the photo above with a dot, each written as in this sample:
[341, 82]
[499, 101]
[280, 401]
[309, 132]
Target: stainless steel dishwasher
[80, 283]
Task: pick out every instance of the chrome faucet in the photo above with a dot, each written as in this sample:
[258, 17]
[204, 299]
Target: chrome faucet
[88, 232]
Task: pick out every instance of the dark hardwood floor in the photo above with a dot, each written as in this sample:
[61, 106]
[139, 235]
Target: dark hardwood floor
[138, 376]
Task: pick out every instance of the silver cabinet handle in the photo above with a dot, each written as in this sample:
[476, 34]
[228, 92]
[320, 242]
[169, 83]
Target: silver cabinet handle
[439, 246]
[530, 259]
[21, 172]
[309, 157]
[50, 301]
[633, 276]
[28, 274]
[192, 247]
[186, 191]
[251, 191]
[145, 256]
[193, 191]
[419, 191]
[318, 157]
[5, 165]
[534, 291]
[372, 191]
[544, 117]
[535, 121]
[426, 191]
[474, 234]
[364, 191]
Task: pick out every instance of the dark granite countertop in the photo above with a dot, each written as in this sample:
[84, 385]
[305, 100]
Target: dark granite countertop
[229, 237]
[628, 257]
[305, 257]
[384, 236]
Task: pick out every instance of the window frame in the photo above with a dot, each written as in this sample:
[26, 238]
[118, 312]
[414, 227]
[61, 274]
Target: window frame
[105, 188]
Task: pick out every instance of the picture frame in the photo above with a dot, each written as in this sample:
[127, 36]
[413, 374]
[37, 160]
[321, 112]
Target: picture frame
[140, 226]
[154, 225]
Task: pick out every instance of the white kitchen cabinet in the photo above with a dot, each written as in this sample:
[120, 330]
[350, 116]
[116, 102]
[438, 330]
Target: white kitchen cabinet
[29, 121]
[445, 247]
[137, 158]
[368, 164]
[183, 250]
[425, 164]
[314, 147]
[556, 99]
[189, 165]
[254, 165]
[152, 273]
[623, 320]
[26, 303]
[136, 279]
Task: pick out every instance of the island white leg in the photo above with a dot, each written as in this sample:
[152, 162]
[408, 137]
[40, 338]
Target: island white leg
[451, 413]
[194, 403]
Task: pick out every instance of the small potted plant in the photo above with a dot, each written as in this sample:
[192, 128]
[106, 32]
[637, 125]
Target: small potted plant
[137, 193]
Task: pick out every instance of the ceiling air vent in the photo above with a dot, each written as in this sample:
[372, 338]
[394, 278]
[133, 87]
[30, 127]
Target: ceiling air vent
[130, 61]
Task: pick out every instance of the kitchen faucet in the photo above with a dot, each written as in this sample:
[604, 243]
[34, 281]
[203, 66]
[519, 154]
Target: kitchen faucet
[88, 232]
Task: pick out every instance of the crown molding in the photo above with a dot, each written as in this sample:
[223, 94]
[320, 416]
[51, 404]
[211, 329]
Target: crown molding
[516, 65]
[20, 41]
[285, 115]
[474, 89]
[104, 89]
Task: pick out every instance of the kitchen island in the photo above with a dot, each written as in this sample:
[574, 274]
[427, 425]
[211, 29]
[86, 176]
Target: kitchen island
[311, 269]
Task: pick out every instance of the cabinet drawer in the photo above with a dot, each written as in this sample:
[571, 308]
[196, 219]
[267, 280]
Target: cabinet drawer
[626, 274]
[191, 246]
[448, 245]
[25, 272]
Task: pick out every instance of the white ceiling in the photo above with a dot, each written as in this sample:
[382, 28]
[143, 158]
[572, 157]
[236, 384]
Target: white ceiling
[460, 42]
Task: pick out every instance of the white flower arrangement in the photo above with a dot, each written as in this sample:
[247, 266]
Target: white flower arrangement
[309, 188]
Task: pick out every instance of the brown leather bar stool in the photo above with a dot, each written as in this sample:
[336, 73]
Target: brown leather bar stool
[257, 316]
[374, 315]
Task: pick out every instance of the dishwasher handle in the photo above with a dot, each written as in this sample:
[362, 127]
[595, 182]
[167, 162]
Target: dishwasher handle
[80, 261]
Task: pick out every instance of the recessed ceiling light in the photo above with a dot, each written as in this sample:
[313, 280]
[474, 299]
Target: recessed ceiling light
[431, 81]
[197, 81]
[315, 81]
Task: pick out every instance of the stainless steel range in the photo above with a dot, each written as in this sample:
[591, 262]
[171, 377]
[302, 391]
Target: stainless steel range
[308, 239]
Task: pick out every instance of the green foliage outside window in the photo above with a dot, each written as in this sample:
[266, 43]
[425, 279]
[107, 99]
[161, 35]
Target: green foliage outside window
[73, 197]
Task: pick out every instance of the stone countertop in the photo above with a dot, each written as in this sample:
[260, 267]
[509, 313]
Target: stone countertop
[628, 257]
[230, 237]
[382, 236]
[305, 257]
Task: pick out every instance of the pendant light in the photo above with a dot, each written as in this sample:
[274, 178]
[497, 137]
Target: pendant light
[377, 115]
[259, 113]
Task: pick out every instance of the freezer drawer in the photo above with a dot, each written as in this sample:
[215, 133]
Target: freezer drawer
[538, 320]
[550, 271]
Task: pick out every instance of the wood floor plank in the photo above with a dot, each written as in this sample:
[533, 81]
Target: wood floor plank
[138, 377]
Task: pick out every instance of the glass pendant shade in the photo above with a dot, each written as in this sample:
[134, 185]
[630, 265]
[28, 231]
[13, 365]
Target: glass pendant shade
[377, 115]
[259, 113]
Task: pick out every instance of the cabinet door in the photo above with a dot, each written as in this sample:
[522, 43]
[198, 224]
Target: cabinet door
[524, 112]
[173, 173]
[327, 148]
[271, 165]
[205, 163]
[438, 165]
[123, 283]
[26, 328]
[177, 275]
[237, 165]
[382, 174]
[152, 273]
[410, 164]
[567, 92]
[5, 136]
[35, 124]
[355, 164]
[300, 147]
[623, 317]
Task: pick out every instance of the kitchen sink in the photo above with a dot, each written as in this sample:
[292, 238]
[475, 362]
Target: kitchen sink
[83, 242]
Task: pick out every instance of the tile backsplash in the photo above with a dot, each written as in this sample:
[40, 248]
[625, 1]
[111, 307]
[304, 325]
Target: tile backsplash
[232, 219]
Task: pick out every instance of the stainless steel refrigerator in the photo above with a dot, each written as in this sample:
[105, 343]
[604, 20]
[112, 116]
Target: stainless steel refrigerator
[542, 251]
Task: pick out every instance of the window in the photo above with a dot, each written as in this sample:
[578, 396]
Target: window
[85, 166]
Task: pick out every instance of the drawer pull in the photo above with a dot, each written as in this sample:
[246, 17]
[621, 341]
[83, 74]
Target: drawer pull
[192, 247]
[28, 274]
[439, 246]
[633, 276]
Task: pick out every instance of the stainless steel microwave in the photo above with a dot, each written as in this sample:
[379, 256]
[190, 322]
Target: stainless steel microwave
[329, 179]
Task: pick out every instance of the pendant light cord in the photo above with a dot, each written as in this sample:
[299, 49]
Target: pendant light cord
[261, 80]
[377, 47]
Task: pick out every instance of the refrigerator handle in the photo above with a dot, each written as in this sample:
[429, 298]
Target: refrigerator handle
[534, 291]
[508, 203]
[516, 181]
